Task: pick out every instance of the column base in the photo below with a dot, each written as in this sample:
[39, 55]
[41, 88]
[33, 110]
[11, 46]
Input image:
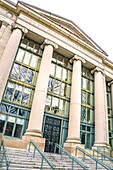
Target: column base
[70, 145]
[103, 147]
[100, 144]
[33, 133]
[36, 136]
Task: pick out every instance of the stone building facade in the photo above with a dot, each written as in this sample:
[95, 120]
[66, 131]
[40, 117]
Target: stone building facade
[56, 83]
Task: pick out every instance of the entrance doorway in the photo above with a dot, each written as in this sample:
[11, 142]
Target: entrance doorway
[51, 133]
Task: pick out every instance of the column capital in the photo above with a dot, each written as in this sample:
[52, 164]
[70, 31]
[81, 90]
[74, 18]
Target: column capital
[110, 83]
[77, 57]
[4, 23]
[49, 42]
[17, 26]
[97, 69]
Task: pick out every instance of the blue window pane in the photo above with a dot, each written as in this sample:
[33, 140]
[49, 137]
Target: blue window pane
[22, 112]
[30, 76]
[13, 110]
[15, 71]
[83, 113]
[50, 84]
[83, 96]
[18, 130]
[25, 96]
[9, 91]
[2, 122]
[4, 108]
[57, 86]
[17, 94]
[23, 73]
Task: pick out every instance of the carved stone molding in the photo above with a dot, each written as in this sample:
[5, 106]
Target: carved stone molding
[97, 69]
[109, 84]
[77, 57]
[48, 42]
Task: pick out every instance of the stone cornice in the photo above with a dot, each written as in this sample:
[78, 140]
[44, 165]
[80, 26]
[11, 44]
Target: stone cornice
[97, 69]
[48, 42]
[77, 57]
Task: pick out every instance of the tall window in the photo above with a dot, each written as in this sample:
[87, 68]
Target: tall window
[110, 114]
[59, 86]
[87, 108]
[18, 95]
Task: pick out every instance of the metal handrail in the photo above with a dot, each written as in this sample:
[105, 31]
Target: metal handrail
[5, 154]
[74, 159]
[102, 155]
[44, 156]
[92, 157]
[104, 148]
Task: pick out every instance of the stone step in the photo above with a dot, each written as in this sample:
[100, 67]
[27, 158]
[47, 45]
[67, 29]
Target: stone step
[39, 163]
[23, 160]
[18, 166]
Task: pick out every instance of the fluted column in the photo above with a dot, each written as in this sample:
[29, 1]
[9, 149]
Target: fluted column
[75, 105]
[38, 105]
[101, 115]
[8, 55]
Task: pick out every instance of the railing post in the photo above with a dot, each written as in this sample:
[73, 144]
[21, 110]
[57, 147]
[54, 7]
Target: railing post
[76, 152]
[2, 158]
[102, 157]
[96, 165]
[34, 152]
[93, 153]
[29, 146]
[61, 155]
[104, 153]
[1, 144]
[7, 167]
[84, 157]
[55, 149]
[72, 164]
[42, 163]
[97, 155]
[110, 153]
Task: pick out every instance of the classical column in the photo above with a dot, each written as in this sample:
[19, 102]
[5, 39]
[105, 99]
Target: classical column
[101, 115]
[38, 105]
[8, 55]
[75, 106]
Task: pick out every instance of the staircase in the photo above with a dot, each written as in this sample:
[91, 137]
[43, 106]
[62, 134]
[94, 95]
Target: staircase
[23, 160]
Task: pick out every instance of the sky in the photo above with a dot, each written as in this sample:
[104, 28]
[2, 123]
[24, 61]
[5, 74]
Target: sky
[94, 17]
